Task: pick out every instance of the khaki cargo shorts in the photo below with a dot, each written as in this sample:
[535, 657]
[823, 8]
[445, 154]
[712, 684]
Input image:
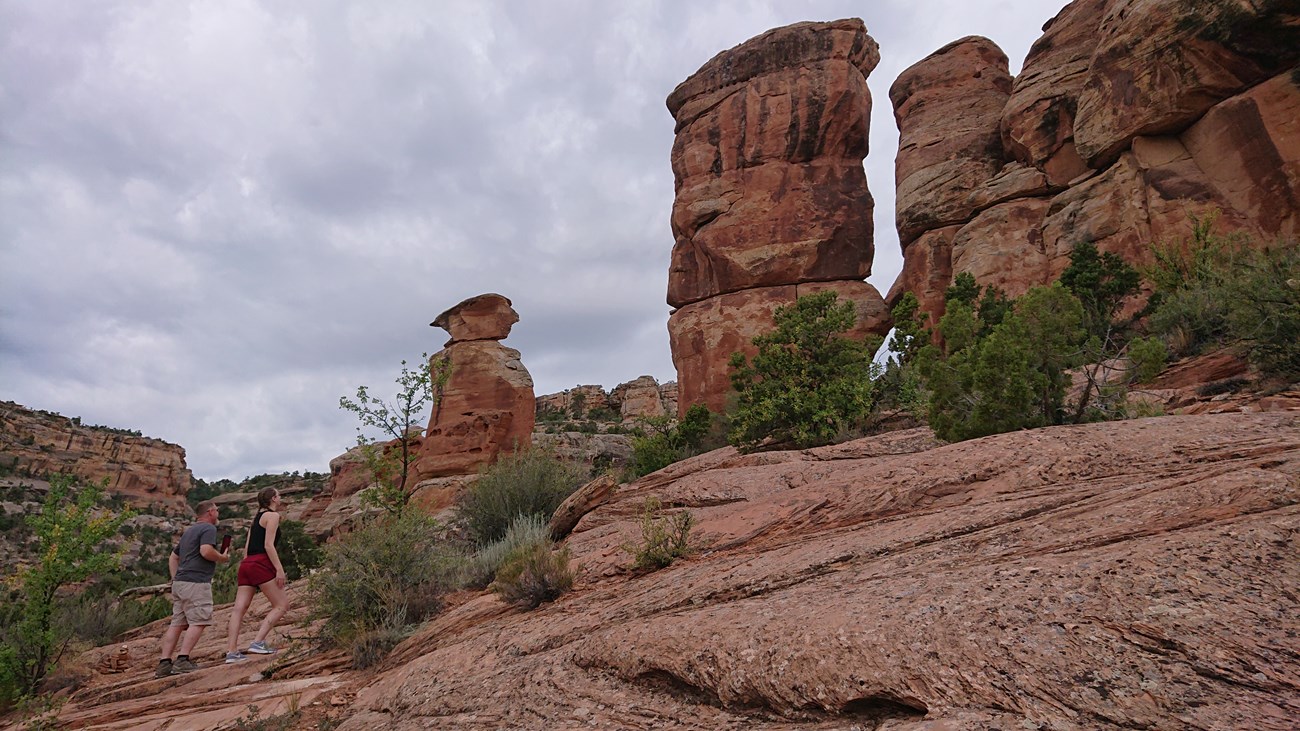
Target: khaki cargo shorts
[191, 603]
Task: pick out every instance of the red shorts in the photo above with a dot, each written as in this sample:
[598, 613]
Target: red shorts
[256, 570]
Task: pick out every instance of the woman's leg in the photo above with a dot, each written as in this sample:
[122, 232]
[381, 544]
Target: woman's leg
[243, 598]
[279, 605]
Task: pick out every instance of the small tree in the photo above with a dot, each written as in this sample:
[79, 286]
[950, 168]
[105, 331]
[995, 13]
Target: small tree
[808, 383]
[398, 419]
[667, 442]
[71, 532]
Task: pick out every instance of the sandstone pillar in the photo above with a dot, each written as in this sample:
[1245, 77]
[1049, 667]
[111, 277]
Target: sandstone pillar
[772, 199]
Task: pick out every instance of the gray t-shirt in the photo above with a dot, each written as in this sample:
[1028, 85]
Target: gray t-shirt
[194, 567]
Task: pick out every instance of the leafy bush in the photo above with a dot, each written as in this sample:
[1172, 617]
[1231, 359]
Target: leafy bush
[807, 384]
[534, 574]
[1218, 290]
[528, 482]
[664, 538]
[668, 442]
[298, 551]
[71, 533]
[390, 573]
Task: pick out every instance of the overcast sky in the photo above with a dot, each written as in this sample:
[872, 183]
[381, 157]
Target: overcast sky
[218, 217]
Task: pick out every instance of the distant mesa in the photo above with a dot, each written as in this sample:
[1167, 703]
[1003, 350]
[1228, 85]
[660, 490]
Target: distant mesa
[771, 197]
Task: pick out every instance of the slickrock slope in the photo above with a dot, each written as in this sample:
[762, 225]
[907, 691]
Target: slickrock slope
[1127, 117]
[771, 198]
[1129, 574]
[143, 470]
[1137, 574]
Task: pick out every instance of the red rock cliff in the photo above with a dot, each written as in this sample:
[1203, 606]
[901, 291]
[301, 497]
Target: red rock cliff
[1127, 117]
[143, 470]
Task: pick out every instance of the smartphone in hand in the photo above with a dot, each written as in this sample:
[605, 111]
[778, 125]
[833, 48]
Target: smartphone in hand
[225, 543]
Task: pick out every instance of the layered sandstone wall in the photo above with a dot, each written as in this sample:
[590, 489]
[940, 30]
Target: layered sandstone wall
[144, 471]
[628, 402]
[1127, 117]
[771, 197]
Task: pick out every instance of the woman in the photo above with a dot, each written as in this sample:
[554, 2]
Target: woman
[260, 569]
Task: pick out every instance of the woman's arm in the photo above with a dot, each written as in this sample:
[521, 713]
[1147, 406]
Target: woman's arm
[272, 526]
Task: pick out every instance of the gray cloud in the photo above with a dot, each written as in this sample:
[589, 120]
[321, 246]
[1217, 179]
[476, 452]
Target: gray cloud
[217, 218]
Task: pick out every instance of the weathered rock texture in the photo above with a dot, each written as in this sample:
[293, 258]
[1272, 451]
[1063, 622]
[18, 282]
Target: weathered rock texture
[1136, 574]
[487, 405]
[771, 192]
[626, 403]
[1127, 117]
[142, 470]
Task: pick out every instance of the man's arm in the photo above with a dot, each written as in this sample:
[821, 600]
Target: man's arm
[173, 563]
[210, 552]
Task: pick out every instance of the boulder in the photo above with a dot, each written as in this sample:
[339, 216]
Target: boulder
[484, 317]
[1159, 65]
[639, 398]
[1037, 124]
[947, 107]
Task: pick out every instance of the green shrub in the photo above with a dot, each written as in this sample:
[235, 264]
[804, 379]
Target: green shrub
[808, 383]
[298, 551]
[71, 531]
[667, 442]
[1217, 290]
[524, 531]
[528, 482]
[390, 573]
[534, 574]
[664, 538]
[99, 619]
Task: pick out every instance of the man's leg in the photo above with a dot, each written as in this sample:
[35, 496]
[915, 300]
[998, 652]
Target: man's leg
[169, 641]
[191, 638]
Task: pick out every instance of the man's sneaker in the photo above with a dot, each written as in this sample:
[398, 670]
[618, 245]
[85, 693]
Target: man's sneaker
[164, 669]
[184, 665]
[260, 648]
[234, 657]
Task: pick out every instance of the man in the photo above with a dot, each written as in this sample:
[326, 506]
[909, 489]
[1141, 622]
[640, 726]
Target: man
[192, 564]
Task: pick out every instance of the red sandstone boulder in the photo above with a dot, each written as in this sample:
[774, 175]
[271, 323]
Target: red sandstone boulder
[705, 334]
[947, 107]
[485, 317]
[487, 407]
[1004, 246]
[1159, 65]
[1037, 123]
[638, 399]
[771, 193]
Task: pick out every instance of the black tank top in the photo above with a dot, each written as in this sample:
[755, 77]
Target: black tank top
[257, 541]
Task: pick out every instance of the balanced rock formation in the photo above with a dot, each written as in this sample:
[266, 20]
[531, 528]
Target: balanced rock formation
[142, 470]
[487, 405]
[771, 193]
[1127, 117]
